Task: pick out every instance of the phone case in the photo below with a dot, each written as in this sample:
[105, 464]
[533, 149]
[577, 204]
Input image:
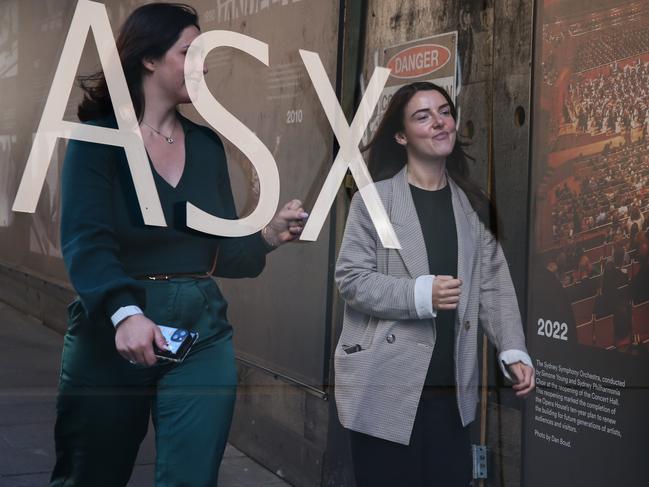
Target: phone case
[180, 342]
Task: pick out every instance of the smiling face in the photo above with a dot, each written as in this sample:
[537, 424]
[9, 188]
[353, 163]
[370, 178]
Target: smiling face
[429, 130]
[167, 73]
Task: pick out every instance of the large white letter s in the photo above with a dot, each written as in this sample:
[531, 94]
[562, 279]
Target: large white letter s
[233, 130]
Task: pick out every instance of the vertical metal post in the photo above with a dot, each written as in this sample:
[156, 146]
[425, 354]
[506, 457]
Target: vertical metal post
[490, 175]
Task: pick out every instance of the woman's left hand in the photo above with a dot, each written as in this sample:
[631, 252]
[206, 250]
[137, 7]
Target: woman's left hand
[524, 378]
[286, 225]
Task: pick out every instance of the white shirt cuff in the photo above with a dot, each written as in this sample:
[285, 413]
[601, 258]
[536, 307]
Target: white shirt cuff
[123, 313]
[424, 297]
[511, 357]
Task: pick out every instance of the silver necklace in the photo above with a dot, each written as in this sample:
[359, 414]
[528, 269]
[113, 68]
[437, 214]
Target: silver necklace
[169, 138]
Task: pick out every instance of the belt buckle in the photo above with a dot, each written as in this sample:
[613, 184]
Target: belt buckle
[159, 277]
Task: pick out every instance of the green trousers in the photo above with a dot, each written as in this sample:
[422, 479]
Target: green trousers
[105, 402]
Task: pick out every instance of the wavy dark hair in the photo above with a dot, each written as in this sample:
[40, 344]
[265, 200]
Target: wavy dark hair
[147, 33]
[387, 157]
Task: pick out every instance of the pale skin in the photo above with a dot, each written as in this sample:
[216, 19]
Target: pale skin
[429, 134]
[164, 88]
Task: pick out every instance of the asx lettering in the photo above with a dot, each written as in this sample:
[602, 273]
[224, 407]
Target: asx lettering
[93, 16]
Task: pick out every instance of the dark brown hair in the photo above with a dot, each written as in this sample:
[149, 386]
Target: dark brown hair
[387, 157]
[147, 33]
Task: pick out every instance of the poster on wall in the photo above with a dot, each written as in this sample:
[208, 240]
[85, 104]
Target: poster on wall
[588, 321]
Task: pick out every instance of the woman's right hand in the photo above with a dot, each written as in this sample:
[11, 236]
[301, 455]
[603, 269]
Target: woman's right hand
[286, 225]
[134, 339]
[446, 292]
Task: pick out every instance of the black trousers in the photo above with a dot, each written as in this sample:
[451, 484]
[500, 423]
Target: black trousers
[439, 454]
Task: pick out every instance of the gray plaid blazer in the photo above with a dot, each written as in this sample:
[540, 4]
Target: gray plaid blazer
[377, 389]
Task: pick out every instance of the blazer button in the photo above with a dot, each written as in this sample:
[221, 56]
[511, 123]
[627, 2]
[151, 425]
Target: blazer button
[467, 325]
[390, 338]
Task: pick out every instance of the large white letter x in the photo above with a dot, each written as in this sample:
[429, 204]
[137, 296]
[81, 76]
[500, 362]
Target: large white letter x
[349, 155]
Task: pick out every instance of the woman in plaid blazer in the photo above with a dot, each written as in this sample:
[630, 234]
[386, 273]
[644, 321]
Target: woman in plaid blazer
[406, 361]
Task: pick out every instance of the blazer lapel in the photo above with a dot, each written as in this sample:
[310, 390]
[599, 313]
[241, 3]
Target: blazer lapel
[406, 225]
[466, 225]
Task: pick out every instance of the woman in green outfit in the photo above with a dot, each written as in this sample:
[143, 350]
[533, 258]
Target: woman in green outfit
[131, 277]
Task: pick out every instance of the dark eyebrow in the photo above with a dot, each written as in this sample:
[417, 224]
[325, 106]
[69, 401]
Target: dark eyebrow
[441, 107]
[427, 110]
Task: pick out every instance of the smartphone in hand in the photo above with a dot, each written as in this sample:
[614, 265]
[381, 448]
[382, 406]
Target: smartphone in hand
[180, 342]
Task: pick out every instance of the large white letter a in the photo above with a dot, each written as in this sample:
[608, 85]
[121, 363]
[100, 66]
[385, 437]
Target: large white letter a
[90, 16]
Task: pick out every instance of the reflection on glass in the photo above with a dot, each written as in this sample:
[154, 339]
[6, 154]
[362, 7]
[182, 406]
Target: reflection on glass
[8, 39]
[44, 229]
[7, 169]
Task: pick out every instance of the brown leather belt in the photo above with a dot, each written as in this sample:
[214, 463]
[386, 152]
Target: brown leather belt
[187, 275]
